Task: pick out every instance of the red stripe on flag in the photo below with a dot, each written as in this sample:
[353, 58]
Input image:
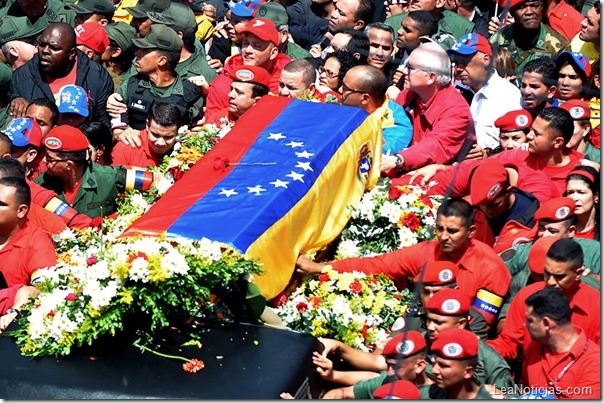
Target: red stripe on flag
[231, 148]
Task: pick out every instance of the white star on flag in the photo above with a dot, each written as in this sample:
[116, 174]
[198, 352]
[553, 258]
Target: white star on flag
[296, 176]
[304, 165]
[256, 189]
[276, 136]
[294, 144]
[279, 184]
[228, 193]
[304, 154]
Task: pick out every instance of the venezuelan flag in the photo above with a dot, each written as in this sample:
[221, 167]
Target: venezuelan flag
[279, 184]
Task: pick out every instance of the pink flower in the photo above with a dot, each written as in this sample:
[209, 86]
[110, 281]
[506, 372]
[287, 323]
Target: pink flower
[193, 365]
[356, 287]
[91, 260]
[302, 307]
[71, 297]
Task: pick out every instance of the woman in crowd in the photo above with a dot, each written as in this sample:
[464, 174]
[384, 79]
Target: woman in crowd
[573, 73]
[100, 138]
[582, 185]
[331, 74]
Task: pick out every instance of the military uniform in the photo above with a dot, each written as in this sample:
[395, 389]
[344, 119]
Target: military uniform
[55, 12]
[591, 153]
[434, 392]
[548, 44]
[364, 389]
[295, 51]
[196, 65]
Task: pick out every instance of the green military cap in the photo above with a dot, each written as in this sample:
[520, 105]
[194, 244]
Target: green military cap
[179, 17]
[6, 73]
[272, 11]
[160, 37]
[122, 34]
[14, 28]
[146, 6]
[103, 7]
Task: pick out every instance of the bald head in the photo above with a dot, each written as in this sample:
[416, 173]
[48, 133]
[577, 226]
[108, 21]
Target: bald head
[370, 85]
[434, 59]
[57, 49]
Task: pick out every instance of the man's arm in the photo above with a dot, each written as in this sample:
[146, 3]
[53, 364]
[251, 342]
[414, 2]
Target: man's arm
[512, 335]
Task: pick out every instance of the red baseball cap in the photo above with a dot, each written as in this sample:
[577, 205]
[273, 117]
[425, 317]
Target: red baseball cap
[556, 209]
[401, 389]
[66, 138]
[449, 302]
[514, 120]
[251, 74]
[578, 109]
[405, 344]
[264, 29]
[488, 181]
[438, 272]
[92, 35]
[537, 253]
[455, 344]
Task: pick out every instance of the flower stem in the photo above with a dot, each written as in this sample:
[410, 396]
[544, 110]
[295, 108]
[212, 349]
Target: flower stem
[161, 354]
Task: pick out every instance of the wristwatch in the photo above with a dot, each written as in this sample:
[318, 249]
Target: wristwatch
[13, 310]
[399, 161]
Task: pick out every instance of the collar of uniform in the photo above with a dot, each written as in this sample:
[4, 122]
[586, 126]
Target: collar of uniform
[20, 240]
[575, 302]
[433, 109]
[147, 148]
[88, 179]
[466, 262]
[490, 87]
[578, 347]
[541, 40]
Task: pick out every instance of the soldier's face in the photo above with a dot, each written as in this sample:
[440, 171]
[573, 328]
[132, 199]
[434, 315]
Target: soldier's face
[529, 14]
[450, 373]
[240, 98]
[408, 35]
[54, 51]
[146, 60]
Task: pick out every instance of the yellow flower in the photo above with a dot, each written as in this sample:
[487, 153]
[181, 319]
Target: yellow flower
[126, 296]
[120, 270]
[93, 313]
[157, 273]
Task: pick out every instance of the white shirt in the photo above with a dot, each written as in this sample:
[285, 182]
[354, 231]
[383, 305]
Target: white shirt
[495, 99]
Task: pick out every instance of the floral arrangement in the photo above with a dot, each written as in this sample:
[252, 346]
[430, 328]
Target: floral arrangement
[97, 287]
[388, 218]
[355, 308]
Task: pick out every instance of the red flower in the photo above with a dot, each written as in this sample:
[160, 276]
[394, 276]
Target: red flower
[411, 221]
[302, 307]
[364, 330]
[394, 193]
[315, 301]
[279, 300]
[91, 260]
[323, 277]
[193, 365]
[136, 255]
[51, 314]
[426, 200]
[71, 297]
[356, 287]
[397, 295]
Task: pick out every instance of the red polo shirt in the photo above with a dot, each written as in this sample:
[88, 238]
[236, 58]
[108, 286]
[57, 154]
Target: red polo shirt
[31, 249]
[440, 127]
[565, 20]
[585, 306]
[480, 266]
[7, 297]
[575, 374]
[141, 156]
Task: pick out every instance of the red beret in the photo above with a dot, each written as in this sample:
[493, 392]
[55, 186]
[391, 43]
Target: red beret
[251, 74]
[488, 181]
[401, 389]
[438, 272]
[514, 120]
[556, 209]
[577, 108]
[66, 138]
[449, 302]
[405, 344]
[455, 344]
[536, 256]
[264, 29]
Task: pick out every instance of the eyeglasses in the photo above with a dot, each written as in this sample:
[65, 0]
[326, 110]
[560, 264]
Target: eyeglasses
[51, 159]
[346, 88]
[410, 67]
[329, 74]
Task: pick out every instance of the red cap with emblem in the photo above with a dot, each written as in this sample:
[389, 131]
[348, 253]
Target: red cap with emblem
[514, 120]
[405, 344]
[578, 109]
[537, 253]
[455, 344]
[401, 389]
[488, 181]
[556, 209]
[251, 74]
[264, 29]
[65, 138]
[438, 272]
[449, 302]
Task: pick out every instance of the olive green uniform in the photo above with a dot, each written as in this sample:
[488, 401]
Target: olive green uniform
[548, 44]
[97, 192]
[364, 389]
[295, 51]
[55, 12]
[196, 65]
[434, 392]
[591, 153]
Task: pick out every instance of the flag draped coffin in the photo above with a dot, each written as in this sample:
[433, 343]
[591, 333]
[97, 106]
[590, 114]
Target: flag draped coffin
[278, 184]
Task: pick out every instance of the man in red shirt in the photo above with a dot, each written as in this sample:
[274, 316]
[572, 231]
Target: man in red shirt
[563, 270]
[157, 139]
[11, 300]
[560, 358]
[23, 248]
[480, 268]
[442, 121]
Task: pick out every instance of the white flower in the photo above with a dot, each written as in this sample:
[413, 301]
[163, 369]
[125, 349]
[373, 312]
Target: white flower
[429, 221]
[406, 237]
[164, 183]
[348, 248]
[366, 207]
[138, 201]
[391, 211]
[139, 270]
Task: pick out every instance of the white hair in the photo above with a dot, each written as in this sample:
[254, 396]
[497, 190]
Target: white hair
[434, 59]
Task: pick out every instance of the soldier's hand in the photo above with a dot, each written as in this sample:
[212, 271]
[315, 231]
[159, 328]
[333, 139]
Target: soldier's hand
[393, 91]
[589, 163]
[306, 267]
[475, 153]
[286, 396]
[130, 137]
[315, 50]
[201, 82]
[116, 105]
[210, 11]
[220, 30]
[17, 107]
[494, 25]
[331, 346]
[215, 64]
[398, 74]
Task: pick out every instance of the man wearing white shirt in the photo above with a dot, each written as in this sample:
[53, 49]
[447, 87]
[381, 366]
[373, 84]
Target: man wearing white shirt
[493, 96]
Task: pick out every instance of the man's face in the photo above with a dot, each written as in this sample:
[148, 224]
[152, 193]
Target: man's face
[402, 369]
[136, 23]
[338, 42]
[472, 70]
[426, 5]
[256, 52]
[449, 373]
[26, 52]
[415, 77]
[71, 119]
[42, 115]
[498, 206]
[512, 140]
[534, 325]
[560, 228]
[146, 61]
[344, 15]
[291, 84]
[570, 83]
[54, 51]
[437, 323]
[88, 17]
[20, 154]
[380, 48]
[395, 9]
[428, 291]
[590, 27]
[541, 138]
[535, 93]
[55, 164]
[529, 14]
[235, 26]
[240, 98]
[161, 138]
[9, 208]
[452, 235]
[408, 35]
[562, 276]
[352, 95]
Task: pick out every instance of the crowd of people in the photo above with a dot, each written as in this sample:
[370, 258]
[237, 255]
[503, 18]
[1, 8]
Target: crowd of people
[494, 105]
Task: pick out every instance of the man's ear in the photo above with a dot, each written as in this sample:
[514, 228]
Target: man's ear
[472, 231]
[440, 3]
[22, 211]
[116, 52]
[359, 24]
[31, 155]
[311, 89]
[551, 92]
[104, 22]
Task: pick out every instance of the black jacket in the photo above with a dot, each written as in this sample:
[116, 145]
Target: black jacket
[29, 84]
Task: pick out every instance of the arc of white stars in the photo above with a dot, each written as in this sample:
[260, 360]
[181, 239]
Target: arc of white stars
[279, 184]
[294, 144]
[296, 176]
[228, 192]
[304, 154]
[276, 136]
[304, 165]
[256, 190]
